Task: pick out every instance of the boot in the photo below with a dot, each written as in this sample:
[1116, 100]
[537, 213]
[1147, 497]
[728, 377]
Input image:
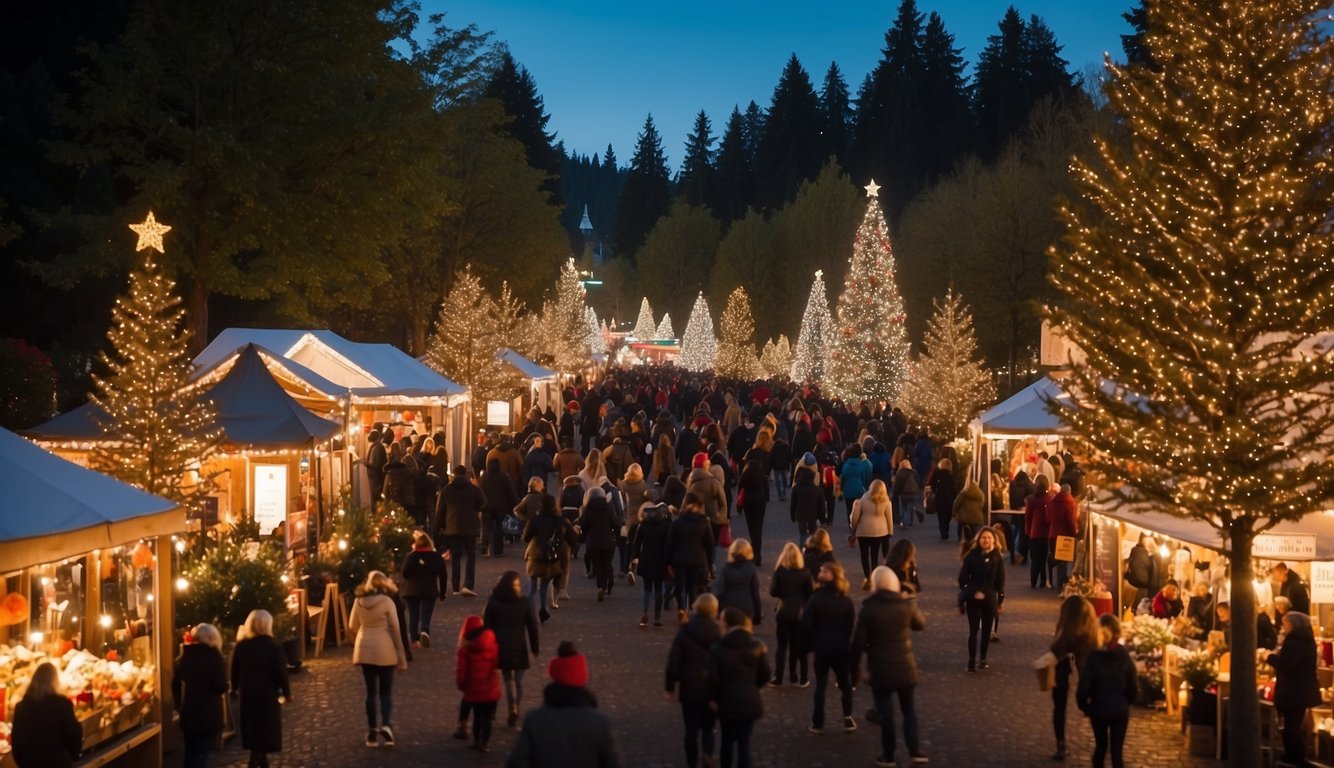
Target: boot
[514, 716]
[1060, 751]
[462, 731]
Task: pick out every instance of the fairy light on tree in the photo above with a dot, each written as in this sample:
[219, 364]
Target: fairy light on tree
[665, 330]
[597, 343]
[948, 385]
[644, 326]
[1195, 276]
[869, 359]
[699, 347]
[776, 358]
[158, 431]
[466, 342]
[566, 323]
[736, 349]
[811, 356]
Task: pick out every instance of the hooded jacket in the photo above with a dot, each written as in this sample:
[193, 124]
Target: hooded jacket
[510, 616]
[1296, 685]
[739, 587]
[1062, 516]
[807, 503]
[597, 524]
[884, 634]
[689, 542]
[477, 658]
[649, 545]
[688, 659]
[792, 587]
[374, 622]
[704, 484]
[1108, 683]
[567, 731]
[738, 669]
[970, 505]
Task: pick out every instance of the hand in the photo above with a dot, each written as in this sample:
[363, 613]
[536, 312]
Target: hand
[668, 696]
[979, 596]
[403, 665]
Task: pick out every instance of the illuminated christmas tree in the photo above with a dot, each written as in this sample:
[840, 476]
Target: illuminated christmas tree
[644, 326]
[736, 349]
[776, 359]
[597, 343]
[699, 347]
[665, 330]
[466, 341]
[811, 357]
[1195, 279]
[869, 360]
[948, 385]
[566, 323]
[158, 432]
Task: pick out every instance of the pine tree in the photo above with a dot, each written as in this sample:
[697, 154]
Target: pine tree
[646, 195]
[776, 359]
[870, 355]
[597, 342]
[514, 87]
[1195, 278]
[466, 342]
[733, 176]
[1020, 67]
[644, 326]
[565, 322]
[695, 183]
[699, 347]
[157, 430]
[946, 113]
[665, 329]
[736, 349]
[948, 385]
[792, 149]
[836, 114]
[815, 340]
[891, 130]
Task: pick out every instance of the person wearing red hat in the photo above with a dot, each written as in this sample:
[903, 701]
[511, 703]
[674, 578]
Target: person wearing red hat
[567, 731]
[478, 676]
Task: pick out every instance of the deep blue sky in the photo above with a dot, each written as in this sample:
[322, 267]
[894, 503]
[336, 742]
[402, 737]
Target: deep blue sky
[602, 65]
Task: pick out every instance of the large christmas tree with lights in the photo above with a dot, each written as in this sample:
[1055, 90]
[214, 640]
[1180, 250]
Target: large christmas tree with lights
[699, 347]
[565, 322]
[948, 385]
[736, 349]
[466, 342]
[1195, 278]
[869, 360]
[815, 340]
[665, 330]
[644, 327]
[597, 343]
[776, 358]
[158, 432]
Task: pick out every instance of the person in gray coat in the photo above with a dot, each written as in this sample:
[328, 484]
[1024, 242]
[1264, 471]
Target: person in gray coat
[884, 635]
[739, 583]
[567, 731]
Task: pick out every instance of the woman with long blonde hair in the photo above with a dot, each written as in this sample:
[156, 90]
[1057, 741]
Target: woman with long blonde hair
[872, 523]
[819, 550]
[826, 630]
[1075, 638]
[592, 475]
[791, 585]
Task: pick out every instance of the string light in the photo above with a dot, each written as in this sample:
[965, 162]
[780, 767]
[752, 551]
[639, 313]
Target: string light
[665, 331]
[644, 329]
[815, 337]
[948, 384]
[736, 349]
[699, 346]
[776, 357]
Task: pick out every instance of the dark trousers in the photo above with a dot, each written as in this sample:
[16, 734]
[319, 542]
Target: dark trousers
[1109, 732]
[699, 720]
[687, 585]
[884, 704]
[1037, 563]
[873, 549]
[781, 482]
[848, 501]
[805, 528]
[943, 522]
[653, 592]
[789, 641]
[828, 505]
[1060, 695]
[197, 747]
[736, 734]
[1294, 736]
[379, 684]
[483, 713]
[623, 553]
[755, 529]
[493, 535]
[838, 664]
[980, 615]
[601, 561]
[967, 531]
[461, 547]
[420, 611]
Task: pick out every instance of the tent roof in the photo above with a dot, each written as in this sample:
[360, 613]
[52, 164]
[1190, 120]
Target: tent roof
[527, 368]
[254, 410]
[367, 371]
[1025, 412]
[1200, 533]
[56, 509]
[82, 423]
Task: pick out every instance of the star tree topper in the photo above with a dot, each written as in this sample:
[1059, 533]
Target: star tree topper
[872, 190]
[150, 234]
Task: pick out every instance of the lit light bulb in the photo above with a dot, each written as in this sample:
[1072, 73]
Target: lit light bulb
[182, 584]
[35, 638]
[342, 544]
[285, 578]
[104, 621]
[1163, 550]
[180, 546]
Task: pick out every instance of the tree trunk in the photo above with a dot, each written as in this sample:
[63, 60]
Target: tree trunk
[196, 315]
[1244, 717]
[420, 323]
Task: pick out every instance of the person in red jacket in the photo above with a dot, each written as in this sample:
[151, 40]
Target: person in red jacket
[1062, 520]
[478, 676]
[1037, 524]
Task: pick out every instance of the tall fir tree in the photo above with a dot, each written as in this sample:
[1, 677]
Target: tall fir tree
[644, 325]
[699, 345]
[1133, 44]
[733, 177]
[815, 340]
[695, 182]
[1019, 67]
[870, 350]
[890, 128]
[646, 195]
[948, 385]
[951, 129]
[466, 342]
[1195, 279]
[776, 358]
[791, 150]
[565, 322]
[736, 349]
[754, 124]
[836, 115]
[514, 87]
[158, 431]
[665, 329]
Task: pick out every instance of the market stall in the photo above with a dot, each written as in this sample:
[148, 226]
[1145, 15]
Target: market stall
[83, 558]
[541, 386]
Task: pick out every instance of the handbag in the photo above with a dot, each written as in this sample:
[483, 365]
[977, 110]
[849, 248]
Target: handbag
[1045, 667]
[725, 535]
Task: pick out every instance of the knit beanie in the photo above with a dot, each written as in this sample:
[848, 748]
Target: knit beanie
[569, 667]
[700, 461]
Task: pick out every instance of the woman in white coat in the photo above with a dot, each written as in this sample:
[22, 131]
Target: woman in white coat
[378, 650]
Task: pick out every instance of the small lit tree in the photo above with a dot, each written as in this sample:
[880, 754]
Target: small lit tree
[949, 384]
[699, 347]
[644, 327]
[597, 343]
[736, 349]
[776, 359]
[811, 356]
[466, 342]
[665, 329]
[566, 322]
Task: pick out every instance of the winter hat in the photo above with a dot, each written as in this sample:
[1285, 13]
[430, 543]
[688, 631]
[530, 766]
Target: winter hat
[569, 667]
[700, 461]
[573, 405]
[472, 626]
[884, 579]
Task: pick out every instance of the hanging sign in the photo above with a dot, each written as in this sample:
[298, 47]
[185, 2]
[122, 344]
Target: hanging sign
[1281, 546]
[497, 413]
[1322, 583]
[270, 486]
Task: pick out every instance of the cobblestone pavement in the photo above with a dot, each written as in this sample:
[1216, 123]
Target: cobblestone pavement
[993, 718]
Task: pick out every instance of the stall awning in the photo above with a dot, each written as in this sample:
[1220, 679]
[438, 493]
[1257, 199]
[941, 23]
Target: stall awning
[1200, 533]
[526, 368]
[54, 509]
[254, 411]
[1026, 412]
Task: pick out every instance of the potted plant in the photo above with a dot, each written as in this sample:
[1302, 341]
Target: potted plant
[1144, 636]
[1200, 671]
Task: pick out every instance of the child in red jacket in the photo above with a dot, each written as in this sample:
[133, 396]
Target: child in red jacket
[478, 677]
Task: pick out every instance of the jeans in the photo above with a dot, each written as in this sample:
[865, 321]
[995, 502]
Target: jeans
[780, 483]
[789, 641]
[420, 611]
[755, 529]
[1060, 694]
[824, 663]
[736, 733]
[537, 592]
[461, 547]
[1037, 562]
[699, 721]
[513, 680]
[493, 535]
[483, 713]
[197, 747]
[1060, 570]
[653, 592]
[980, 615]
[381, 678]
[884, 703]
[873, 549]
[1113, 731]
[601, 560]
[906, 507]
[687, 586]
[805, 528]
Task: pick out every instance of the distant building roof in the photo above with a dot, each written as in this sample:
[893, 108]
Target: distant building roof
[526, 368]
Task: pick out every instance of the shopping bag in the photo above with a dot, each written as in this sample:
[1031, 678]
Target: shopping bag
[725, 536]
[1065, 548]
[1045, 667]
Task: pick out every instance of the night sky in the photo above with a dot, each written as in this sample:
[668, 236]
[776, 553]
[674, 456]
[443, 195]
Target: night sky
[602, 65]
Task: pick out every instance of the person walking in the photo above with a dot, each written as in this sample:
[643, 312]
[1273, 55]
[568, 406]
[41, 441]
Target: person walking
[597, 529]
[981, 593]
[872, 525]
[635, 490]
[1076, 637]
[906, 494]
[197, 686]
[753, 499]
[903, 561]
[780, 465]
[567, 731]
[424, 582]
[738, 668]
[826, 630]
[688, 677]
[1108, 684]
[943, 491]
[884, 635]
[549, 539]
[739, 583]
[1296, 687]
[1062, 520]
[689, 550]
[819, 550]
[259, 679]
[792, 585]
[477, 662]
[807, 506]
[854, 476]
[510, 616]
[500, 498]
[1037, 526]
[648, 557]
[457, 520]
[969, 509]
[45, 733]
[378, 650]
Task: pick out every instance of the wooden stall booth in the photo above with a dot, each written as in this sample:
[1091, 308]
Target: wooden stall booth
[85, 562]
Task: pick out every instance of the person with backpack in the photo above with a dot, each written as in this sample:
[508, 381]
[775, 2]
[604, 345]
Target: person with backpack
[547, 539]
[648, 556]
[689, 550]
[597, 529]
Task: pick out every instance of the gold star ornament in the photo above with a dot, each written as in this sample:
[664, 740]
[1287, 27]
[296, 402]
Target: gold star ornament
[872, 190]
[150, 234]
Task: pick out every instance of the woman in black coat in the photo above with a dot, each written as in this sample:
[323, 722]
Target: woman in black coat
[510, 616]
[738, 583]
[501, 498]
[597, 529]
[648, 557]
[689, 551]
[807, 506]
[792, 585]
[884, 634]
[1107, 685]
[259, 677]
[943, 491]
[981, 592]
[1296, 687]
[826, 630]
[738, 669]
[46, 734]
[688, 675]
[197, 687]
[424, 583]
[755, 487]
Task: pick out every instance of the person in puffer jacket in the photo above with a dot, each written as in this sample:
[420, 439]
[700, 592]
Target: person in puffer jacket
[478, 677]
[688, 676]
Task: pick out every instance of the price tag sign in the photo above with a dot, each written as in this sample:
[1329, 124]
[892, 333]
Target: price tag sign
[1322, 582]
